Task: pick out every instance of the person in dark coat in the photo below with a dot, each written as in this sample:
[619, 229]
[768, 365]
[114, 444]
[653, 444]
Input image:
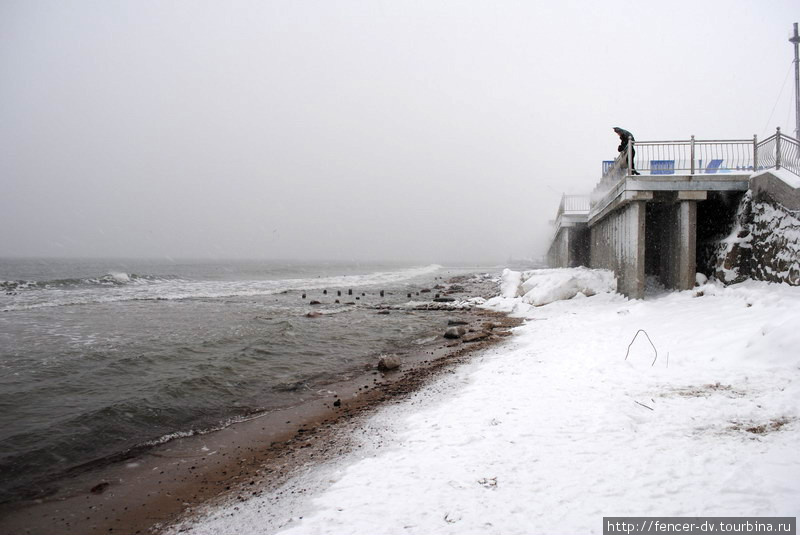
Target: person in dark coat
[625, 137]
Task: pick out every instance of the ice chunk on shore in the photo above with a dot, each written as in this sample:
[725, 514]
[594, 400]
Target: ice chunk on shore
[542, 286]
[509, 283]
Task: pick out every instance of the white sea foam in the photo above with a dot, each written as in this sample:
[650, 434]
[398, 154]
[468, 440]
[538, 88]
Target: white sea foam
[170, 436]
[120, 277]
[192, 432]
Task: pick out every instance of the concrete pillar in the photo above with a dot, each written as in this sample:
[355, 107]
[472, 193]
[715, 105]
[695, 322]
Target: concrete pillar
[558, 254]
[687, 245]
[631, 245]
[617, 242]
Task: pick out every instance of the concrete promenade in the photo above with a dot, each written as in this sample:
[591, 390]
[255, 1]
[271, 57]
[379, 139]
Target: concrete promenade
[661, 212]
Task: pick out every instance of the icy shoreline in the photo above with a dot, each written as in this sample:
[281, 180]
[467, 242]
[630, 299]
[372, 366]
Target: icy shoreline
[554, 429]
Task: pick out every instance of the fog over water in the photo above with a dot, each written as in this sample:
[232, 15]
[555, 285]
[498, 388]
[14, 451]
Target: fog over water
[353, 130]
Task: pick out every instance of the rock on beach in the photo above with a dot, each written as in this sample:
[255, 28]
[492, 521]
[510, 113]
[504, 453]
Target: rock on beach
[388, 362]
[455, 332]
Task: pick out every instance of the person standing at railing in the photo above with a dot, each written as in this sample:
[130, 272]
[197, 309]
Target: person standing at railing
[625, 139]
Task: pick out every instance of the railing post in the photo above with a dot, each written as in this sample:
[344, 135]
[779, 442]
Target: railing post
[630, 156]
[691, 144]
[755, 153]
[778, 148]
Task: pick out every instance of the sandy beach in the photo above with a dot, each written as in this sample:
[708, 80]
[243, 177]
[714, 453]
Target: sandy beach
[158, 486]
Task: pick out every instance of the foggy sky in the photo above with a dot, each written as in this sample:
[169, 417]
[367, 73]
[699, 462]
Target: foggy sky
[426, 131]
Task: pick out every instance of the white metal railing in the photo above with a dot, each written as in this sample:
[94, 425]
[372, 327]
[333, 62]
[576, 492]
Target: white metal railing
[571, 205]
[779, 151]
[694, 156]
[701, 157]
[574, 204]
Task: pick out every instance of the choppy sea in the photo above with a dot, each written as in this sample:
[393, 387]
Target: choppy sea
[100, 358]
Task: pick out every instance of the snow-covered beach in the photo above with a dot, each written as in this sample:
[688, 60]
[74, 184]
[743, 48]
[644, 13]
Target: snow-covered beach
[556, 428]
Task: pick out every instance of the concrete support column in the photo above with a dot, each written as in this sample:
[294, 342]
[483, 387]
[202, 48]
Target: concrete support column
[632, 249]
[687, 245]
[558, 254]
[617, 242]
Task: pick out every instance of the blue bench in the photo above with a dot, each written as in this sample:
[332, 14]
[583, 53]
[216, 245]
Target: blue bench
[662, 167]
[713, 166]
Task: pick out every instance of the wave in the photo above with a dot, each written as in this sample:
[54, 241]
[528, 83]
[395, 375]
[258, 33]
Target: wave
[115, 287]
[109, 279]
[251, 414]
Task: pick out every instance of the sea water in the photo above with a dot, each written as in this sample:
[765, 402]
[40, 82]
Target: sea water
[101, 358]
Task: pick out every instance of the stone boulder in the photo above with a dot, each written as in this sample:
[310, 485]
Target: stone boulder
[455, 332]
[388, 362]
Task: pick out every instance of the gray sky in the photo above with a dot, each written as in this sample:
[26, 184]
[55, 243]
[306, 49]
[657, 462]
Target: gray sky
[354, 130]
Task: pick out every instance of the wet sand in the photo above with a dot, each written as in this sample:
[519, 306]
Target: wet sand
[169, 482]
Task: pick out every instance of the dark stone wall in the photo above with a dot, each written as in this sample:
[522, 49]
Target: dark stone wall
[764, 244]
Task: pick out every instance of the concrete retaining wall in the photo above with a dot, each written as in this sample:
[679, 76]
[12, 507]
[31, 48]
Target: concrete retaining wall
[769, 187]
